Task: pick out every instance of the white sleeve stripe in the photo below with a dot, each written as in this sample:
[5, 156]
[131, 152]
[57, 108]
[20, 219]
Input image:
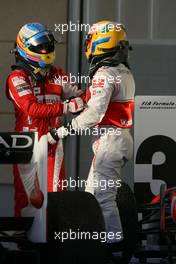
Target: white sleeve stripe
[14, 99]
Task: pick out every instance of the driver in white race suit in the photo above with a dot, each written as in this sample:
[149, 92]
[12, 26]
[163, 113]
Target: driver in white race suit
[110, 103]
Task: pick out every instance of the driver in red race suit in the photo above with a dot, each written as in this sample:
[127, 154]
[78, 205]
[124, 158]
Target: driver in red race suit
[109, 108]
[37, 90]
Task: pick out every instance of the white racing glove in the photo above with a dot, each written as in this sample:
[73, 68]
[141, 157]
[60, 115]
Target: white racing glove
[57, 133]
[74, 105]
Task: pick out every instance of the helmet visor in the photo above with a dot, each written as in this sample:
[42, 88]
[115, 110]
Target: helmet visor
[42, 42]
[40, 38]
[42, 48]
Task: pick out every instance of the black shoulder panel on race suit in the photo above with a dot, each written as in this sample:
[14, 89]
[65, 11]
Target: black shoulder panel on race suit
[25, 66]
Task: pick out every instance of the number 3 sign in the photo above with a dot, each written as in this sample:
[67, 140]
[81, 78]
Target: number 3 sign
[155, 145]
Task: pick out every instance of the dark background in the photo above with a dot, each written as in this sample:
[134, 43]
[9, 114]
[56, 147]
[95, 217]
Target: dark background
[151, 29]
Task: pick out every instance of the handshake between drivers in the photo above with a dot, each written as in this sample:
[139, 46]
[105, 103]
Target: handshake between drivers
[74, 106]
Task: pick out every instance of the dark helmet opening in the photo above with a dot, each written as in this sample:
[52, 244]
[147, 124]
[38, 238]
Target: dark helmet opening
[43, 48]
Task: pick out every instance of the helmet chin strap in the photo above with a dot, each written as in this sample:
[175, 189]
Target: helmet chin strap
[42, 71]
